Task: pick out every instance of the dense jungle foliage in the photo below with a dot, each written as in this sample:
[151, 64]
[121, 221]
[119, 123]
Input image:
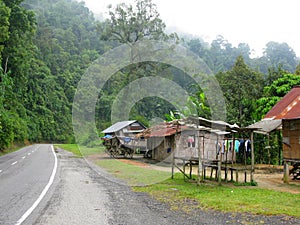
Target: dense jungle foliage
[47, 45]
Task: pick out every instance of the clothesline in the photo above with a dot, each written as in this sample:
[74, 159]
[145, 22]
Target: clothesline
[238, 146]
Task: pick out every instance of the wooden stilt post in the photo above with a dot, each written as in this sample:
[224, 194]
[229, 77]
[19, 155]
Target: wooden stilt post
[252, 157]
[199, 169]
[173, 155]
[200, 172]
[233, 149]
[286, 172]
[201, 163]
[219, 172]
[184, 169]
[173, 163]
[269, 156]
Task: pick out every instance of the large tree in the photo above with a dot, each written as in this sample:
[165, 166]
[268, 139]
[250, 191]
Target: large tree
[129, 24]
[241, 87]
[278, 54]
[220, 55]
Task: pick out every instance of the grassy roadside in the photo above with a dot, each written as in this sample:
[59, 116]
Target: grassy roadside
[133, 175]
[226, 198]
[80, 151]
[12, 149]
[186, 196]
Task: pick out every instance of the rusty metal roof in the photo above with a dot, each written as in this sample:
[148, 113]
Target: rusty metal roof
[196, 123]
[288, 107]
[163, 130]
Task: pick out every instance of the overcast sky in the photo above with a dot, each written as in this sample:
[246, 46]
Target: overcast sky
[255, 22]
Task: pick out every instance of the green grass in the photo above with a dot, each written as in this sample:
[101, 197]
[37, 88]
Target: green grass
[80, 151]
[10, 150]
[133, 175]
[227, 198]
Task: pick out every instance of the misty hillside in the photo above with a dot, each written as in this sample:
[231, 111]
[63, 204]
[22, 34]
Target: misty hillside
[47, 45]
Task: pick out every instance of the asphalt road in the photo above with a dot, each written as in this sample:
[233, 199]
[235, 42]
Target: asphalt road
[24, 178]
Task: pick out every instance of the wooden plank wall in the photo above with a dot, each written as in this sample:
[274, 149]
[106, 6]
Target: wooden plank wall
[291, 139]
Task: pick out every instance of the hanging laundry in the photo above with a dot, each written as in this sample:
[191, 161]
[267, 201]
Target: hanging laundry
[242, 146]
[236, 145]
[230, 143]
[218, 147]
[248, 146]
[191, 141]
[226, 145]
[127, 139]
[223, 147]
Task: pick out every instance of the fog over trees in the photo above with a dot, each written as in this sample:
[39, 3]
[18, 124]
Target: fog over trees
[47, 45]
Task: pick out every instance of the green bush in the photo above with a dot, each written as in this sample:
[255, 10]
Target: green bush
[6, 130]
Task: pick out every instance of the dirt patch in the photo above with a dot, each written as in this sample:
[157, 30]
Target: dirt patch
[271, 177]
[275, 182]
[133, 162]
[98, 156]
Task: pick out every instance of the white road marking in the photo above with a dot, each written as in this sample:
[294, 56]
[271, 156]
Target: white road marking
[35, 204]
[23, 157]
[0, 171]
[29, 153]
[14, 163]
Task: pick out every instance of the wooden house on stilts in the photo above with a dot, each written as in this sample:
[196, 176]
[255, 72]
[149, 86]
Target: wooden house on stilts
[285, 115]
[197, 141]
[288, 110]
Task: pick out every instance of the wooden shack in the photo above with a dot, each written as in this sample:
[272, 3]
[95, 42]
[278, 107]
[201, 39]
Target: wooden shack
[291, 139]
[206, 142]
[184, 138]
[120, 138]
[196, 141]
[288, 110]
[212, 139]
[161, 140]
[125, 129]
[291, 147]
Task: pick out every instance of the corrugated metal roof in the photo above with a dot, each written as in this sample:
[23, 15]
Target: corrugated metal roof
[162, 130]
[191, 123]
[215, 124]
[288, 107]
[266, 126]
[118, 126]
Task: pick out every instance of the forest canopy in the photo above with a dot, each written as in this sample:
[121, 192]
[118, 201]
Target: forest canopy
[46, 47]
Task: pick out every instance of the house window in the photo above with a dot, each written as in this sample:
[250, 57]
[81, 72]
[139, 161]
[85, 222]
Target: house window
[191, 141]
[286, 140]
